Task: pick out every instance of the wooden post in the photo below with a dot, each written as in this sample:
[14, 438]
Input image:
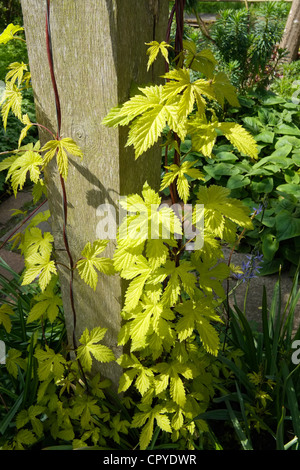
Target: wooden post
[291, 34]
[99, 54]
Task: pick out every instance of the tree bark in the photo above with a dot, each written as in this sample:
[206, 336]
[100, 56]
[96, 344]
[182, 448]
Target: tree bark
[99, 54]
[291, 35]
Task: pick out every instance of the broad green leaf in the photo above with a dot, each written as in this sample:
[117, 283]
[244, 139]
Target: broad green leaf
[204, 62]
[293, 189]
[265, 185]
[287, 225]
[265, 136]
[287, 129]
[270, 246]
[237, 181]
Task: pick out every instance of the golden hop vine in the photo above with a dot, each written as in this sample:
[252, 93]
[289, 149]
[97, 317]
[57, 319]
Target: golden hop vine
[169, 313]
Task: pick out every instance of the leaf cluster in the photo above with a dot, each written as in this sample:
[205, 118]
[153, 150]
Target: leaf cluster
[269, 184]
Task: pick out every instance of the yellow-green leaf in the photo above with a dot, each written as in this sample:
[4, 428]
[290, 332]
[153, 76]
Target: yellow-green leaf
[28, 125]
[39, 267]
[49, 363]
[154, 49]
[240, 138]
[48, 304]
[13, 360]
[16, 72]
[91, 262]
[12, 100]
[89, 348]
[225, 90]
[29, 162]
[9, 33]
[61, 148]
[5, 312]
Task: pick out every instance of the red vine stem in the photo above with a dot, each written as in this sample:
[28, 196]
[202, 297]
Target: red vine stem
[51, 67]
[62, 182]
[178, 9]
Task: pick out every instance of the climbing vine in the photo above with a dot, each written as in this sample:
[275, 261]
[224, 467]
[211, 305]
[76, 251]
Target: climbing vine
[170, 317]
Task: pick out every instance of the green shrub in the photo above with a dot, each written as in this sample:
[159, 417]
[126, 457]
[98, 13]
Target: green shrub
[245, 42]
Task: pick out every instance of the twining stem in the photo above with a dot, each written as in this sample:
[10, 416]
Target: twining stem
[62, 181]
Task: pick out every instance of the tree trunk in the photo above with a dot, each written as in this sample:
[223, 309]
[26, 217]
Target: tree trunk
[291, 34]
[99, 53]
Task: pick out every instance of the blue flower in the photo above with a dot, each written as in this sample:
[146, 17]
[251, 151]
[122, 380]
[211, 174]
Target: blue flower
[257, 210]
[250, 268]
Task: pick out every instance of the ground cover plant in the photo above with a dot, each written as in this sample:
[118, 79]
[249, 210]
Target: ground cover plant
[270, 184]
[182, 358]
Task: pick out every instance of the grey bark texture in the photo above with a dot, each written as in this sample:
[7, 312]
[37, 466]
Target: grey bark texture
[291, 35]
[99, 54]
